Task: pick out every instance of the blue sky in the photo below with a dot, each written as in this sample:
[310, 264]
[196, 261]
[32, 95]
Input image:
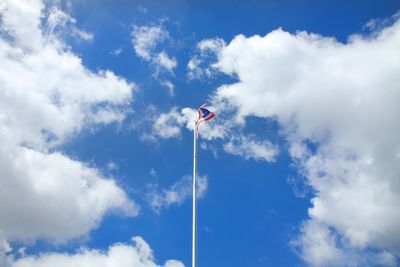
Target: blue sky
[299, 168]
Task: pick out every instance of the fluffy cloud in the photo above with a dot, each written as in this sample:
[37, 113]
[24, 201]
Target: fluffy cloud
[57, 95]
[211, 45]
[249, 148]
[118, 255]
[51, 196]
[165, 61]
[22, 20]
[58, 21]
[170, 87]
[167, 125]
[145, 40]
[177, 193]
[317, 245]
[83, 35]
[206, 50]
[46, 97]
[343, 99]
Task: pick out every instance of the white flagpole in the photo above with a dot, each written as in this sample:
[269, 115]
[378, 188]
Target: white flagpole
[194, 225]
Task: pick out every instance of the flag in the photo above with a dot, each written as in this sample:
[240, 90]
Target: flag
[204, 115]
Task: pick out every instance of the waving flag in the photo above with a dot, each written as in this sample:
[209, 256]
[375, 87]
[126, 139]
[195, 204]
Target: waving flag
[204, 115]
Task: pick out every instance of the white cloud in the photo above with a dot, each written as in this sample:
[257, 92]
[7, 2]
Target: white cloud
[59, 22]
[249, 148]
[153, 173]
[177, 193]
[206, 50]
[146, 38]
[112, 166]
[43, 103]
[51, 196]
[84, 35]
[194, 70]
[58, 18]
[163, 60]
[22, 20]
[117, 51]
[344, 99]
[211, 45]
[118, 255]
[170, 86]
[46, 97]
[376, 25]
[4, 247]
[318, 245]
[167, 125]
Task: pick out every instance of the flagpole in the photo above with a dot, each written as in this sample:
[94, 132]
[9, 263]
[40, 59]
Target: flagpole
[194, 225]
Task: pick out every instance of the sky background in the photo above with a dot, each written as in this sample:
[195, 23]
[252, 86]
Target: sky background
[299, 168]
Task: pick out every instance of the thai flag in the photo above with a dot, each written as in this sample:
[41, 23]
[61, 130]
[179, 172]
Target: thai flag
[204, 115]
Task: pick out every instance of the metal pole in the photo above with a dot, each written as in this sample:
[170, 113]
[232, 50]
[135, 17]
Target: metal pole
[194, 225]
